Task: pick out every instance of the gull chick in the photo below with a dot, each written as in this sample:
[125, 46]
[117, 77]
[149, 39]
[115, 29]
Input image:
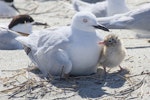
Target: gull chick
[113, 52]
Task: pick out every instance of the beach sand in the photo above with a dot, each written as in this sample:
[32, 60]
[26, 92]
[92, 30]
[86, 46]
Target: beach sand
[18, 83]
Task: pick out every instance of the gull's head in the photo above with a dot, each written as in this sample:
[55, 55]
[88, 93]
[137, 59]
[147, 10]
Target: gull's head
[22, 24]
[86, 21]
[8, 2]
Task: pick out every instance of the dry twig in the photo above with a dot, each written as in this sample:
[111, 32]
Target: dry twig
[126, 92]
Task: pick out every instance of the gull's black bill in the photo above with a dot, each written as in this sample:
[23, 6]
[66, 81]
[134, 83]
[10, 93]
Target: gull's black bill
[15, 8]
[101, 27]
[39, 23]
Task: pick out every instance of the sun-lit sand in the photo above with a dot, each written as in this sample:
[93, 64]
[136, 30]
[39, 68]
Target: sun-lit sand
[18, 83]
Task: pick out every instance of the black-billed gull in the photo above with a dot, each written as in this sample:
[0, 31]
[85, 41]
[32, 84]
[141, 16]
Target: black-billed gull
[66, 50]
[137, 20]
[102, 9]
[7, 8]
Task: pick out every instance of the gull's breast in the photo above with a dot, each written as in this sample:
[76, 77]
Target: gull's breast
[84, 57]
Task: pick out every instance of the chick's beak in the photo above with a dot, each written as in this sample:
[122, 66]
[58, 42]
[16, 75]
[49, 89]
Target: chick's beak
[101, 43]
[101, 27]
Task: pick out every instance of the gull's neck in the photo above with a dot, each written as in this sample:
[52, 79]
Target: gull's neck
[83, 35]
[83, 31]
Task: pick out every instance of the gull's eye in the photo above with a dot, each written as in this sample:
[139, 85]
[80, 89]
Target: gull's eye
[85, 20]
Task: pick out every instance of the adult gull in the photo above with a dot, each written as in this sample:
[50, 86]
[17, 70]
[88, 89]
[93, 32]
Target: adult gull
[67, 50]
[103, 8]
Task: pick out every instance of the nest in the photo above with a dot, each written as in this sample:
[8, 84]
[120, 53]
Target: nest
[23, 83]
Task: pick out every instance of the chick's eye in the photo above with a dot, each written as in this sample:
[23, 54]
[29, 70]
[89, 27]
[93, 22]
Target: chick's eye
[110, 41]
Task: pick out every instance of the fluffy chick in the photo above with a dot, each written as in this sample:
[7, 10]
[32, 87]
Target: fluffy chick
[113, 52]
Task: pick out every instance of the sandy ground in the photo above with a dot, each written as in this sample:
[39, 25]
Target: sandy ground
[18, 83]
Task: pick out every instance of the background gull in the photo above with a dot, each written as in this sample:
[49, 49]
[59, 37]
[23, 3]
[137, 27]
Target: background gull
[21, 24]
[102, 9]
[7, 8]
[68, 50]
[137, 20]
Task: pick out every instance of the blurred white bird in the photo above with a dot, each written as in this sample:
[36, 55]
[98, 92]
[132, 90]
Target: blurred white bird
[7, 9]
[137, 20]
[113, 52]
[66, 50]
[21, 24]
[102, 9]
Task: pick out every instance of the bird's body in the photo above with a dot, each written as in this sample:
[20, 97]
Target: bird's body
[66, 49]
[20, 23]
[79, 51]
[113, 52]
[112, 56]
[7, 40]
[7, 9]
[102, 9]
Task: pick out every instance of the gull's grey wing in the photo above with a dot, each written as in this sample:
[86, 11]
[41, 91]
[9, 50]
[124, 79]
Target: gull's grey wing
[135, 19]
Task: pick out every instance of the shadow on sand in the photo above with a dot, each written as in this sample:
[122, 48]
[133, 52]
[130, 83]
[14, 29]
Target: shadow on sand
[91, 86]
